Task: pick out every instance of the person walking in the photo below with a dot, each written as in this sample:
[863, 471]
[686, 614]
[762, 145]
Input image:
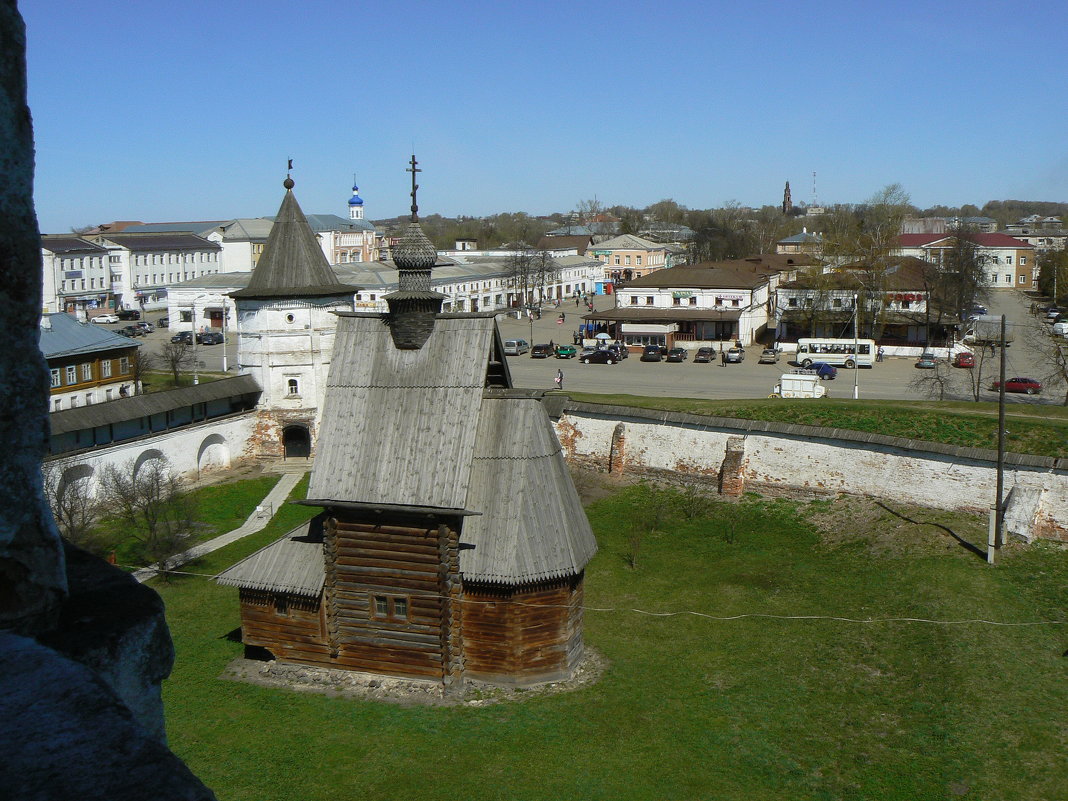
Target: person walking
[880, 353]
[559, 379]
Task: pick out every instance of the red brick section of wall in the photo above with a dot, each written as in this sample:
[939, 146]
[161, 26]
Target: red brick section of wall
[731, 478]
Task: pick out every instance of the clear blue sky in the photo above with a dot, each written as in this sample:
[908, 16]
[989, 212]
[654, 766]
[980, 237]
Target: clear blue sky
[164, 111]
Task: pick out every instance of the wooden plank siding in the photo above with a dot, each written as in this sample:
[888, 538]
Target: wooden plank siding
[522, 635]
[449, 630]
[289, 626]
[400, 563]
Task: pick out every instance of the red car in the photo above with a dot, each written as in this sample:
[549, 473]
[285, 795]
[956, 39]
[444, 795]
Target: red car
[1027, 385]
[964, 359]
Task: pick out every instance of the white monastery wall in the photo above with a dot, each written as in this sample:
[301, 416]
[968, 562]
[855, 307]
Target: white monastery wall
[810, 462]
[192, 451]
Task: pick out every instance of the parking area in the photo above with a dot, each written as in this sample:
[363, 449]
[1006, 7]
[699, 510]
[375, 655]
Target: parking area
[890, 379]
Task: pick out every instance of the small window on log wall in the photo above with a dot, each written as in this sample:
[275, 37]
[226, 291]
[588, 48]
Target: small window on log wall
[390, 607]
[281, 605]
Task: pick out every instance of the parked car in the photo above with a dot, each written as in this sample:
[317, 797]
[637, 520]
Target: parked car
[566, 351]
[927, 361]
[826, 372]
[129, 314]
[130, 331]
[183, 336]
[677, 355]
[145, 326]
[734, 355]
[105, 318]
[1025, 385]
[515, 347]
[1060, 328]
[163, 322]
[541, 352]
[651, 353]
[768, 356]
[620, 351]
[964, 359]
[1053, 312]
[704, 355]
[210, 338]
[978, 309]
[598, 357]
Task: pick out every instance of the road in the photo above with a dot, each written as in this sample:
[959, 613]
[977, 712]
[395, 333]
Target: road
[890, 379]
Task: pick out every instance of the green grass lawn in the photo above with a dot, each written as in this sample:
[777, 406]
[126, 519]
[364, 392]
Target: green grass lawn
[163, 380]
[692, 707]
[1039, 430]
[221, 508]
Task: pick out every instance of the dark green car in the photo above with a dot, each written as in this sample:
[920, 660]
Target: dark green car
[566, 352]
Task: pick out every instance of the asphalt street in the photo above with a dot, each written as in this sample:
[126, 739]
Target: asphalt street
[890, 379]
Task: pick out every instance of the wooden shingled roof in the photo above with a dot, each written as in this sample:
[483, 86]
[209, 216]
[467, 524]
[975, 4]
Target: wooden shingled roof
[417, 429]
[292, 264]
[293, 564]
[531, 525]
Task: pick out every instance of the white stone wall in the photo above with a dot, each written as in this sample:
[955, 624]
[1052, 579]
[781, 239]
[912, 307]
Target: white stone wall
[192, 451]
[792, 465]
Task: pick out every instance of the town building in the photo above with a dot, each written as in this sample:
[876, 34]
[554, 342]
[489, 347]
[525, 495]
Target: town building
[451, 545]
[805, 242]
[143, 265]
[898, 305]
[77, 277]
[87, 364]
[1044, 234]
[1007, 262]
[697, 304]
[627, 257]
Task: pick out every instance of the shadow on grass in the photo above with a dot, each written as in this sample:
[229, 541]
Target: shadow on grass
[960, 540]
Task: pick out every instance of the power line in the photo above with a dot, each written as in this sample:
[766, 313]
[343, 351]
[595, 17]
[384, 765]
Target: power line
[725, 618]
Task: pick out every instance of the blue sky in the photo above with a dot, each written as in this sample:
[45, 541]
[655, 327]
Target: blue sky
[163, 111]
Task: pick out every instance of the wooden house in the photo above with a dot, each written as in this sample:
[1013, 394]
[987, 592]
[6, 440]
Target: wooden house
[452, 543]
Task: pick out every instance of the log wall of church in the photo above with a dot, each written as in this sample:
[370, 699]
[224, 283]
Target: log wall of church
[289, 626]
[386, 608]
[522, 635]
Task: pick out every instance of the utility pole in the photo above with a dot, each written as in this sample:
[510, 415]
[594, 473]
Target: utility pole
[999, 522]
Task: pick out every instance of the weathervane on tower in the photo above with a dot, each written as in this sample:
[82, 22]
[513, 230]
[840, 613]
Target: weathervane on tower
[415, 188]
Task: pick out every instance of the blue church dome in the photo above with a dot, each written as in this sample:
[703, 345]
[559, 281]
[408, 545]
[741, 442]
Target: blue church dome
[355, 200]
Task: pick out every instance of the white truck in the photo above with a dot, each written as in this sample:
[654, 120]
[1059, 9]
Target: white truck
[798, 385]
[984, 329]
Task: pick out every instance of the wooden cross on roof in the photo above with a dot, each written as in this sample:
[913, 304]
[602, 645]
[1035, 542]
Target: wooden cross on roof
[415, 188]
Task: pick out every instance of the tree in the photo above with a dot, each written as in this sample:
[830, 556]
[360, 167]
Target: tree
[143, 364]
[588, 210]
[1053, 274]
[934, 383]
[69, 491]
[667, 211]
[152, 500]
[177, 356]
[1053, 358]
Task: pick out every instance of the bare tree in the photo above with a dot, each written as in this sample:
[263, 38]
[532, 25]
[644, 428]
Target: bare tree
[143, 364]
[934, 383]
[69, 492]
[1053, 355]
[177, 356]
[152, 500]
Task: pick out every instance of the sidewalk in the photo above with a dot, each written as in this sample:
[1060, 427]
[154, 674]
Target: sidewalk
[256, 521]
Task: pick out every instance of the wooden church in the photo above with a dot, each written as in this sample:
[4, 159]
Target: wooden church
[451, 542]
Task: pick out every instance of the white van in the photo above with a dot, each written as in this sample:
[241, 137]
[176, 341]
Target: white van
[1060, 329]
[515, 347]
[798, 385]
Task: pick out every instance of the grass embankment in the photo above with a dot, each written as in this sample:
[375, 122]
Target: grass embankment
[692, 707]
[220, 508]
[1040, 430]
